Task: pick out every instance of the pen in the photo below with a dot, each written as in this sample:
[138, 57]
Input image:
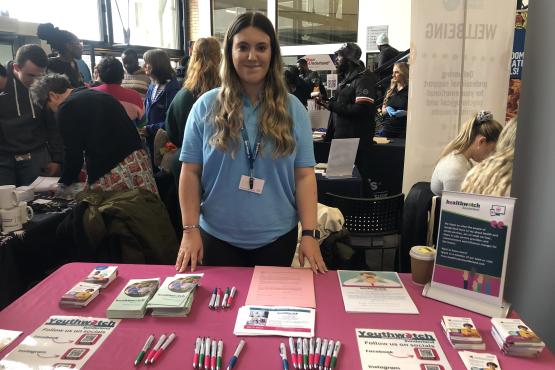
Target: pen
[213, 355]
[293, 352]
[323, 354]
[218, 298]
[300, 353]
[197, 352]
[226, 296]
[201, 357]
[335, 354]
[310, 353]
[317, 352]
[236, 355]
[145, 348]
[207, 353]
[283, 354]
[167, 342]
[220, 354]
[231, 296]
[155, 349]
[328, 354]
[305, 353]
[213, 299]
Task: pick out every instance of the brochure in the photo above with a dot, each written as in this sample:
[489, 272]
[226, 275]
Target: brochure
[282, 286]
[276, 320]
[7, 337]
[175, 296]
[462, 333]
[479, 361]
[80, 295]
[374, 291]
[400, 350]
[132, 300]
[515, 338]
[102, 275]
[61, 342]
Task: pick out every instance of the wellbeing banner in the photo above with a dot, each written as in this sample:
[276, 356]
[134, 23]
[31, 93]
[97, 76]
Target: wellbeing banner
[517, 62]
[459, 64]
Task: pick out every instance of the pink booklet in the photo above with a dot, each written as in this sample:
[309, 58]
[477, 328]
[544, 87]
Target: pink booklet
[282, 286]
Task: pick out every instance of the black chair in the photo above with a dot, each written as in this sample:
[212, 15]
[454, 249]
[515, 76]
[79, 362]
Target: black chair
[374, 225]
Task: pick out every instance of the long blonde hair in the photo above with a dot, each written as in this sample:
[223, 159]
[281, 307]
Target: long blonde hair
[275, 122]
[495, 174]
[404, 72]
[481, 123]
[203, 70]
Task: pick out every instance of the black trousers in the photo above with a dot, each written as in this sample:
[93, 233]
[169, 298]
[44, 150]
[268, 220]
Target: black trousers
[278, 253]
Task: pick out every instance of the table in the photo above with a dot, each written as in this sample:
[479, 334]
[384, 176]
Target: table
[386, 165]
[28, 258]
[348, 186]
[120, 349]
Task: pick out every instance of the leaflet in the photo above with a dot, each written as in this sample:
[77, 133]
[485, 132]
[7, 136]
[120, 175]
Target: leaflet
[7, 337]
[374, 291]
[61, 342]
[400, 350]
[479, 361]
[285, 321]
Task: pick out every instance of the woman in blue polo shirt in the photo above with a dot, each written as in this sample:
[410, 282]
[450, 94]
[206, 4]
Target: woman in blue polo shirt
[247, 176]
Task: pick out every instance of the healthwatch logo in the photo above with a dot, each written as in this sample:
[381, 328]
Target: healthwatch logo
[474, 206]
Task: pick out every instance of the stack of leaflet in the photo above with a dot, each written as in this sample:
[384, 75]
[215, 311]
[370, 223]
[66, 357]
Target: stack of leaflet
[131, 302]
[462, 333]
[515, 338]
[80, 295]
[175, 296]
[102, 275]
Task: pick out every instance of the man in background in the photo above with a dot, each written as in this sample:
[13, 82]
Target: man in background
[135, 77]
[387, 56]
[3, 77]
[30, 145]
[311, 78]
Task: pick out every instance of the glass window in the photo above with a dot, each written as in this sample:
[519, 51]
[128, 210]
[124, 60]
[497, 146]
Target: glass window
[78, 17]
[150, 23]
[309, 22]
[225, 11]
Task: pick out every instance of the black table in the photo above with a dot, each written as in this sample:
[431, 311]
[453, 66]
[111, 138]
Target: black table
[28, 258]
[347, 186]
[384, 170]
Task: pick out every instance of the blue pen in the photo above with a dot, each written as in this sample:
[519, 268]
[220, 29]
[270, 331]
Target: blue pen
[323, 354]
[283, 354]
[236, 355]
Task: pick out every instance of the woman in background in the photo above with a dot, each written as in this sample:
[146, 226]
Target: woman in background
[394, 108]
[494, 175]
[475, 142]
[69, 48]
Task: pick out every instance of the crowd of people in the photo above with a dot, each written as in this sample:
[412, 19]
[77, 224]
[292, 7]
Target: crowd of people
[244, 160]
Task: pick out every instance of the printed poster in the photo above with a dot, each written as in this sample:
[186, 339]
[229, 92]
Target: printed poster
[472, 247]
[517, 62]
[61, 342]
[400, 350]
[275, 320]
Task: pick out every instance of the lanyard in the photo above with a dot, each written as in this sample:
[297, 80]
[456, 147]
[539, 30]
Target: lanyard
[252, 154]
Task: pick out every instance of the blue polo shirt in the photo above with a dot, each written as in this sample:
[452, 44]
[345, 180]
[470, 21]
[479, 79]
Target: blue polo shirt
[241, 218]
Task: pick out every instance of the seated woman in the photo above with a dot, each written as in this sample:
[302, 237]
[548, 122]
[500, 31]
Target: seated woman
[475, 142]
[96, 125]
[394, 108]
[494, 175]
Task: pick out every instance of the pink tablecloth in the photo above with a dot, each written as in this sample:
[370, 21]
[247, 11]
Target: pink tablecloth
[120, 349]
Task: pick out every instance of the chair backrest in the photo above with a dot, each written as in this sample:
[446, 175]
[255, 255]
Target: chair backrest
[370, 216]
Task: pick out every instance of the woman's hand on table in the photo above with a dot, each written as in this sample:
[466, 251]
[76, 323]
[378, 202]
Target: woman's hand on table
[190, 251]
[310, 249]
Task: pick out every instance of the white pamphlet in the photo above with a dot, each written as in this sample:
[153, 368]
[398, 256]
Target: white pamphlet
[342, 157]
[400, 349]
[275, 320]
[61, 342]
[7, 337]
[374, 291]
[479, 361]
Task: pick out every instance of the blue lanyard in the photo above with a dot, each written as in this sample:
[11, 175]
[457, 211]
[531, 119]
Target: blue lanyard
[252, 154]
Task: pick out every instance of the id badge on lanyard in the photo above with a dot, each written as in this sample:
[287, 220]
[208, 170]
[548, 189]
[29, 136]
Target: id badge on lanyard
[250, 183]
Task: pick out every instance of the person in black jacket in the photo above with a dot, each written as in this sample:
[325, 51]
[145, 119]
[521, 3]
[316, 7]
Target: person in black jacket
[30, 145]
[3, 77]
[352, 108]
[96, 124]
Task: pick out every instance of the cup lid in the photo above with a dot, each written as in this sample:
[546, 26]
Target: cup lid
[423, 252]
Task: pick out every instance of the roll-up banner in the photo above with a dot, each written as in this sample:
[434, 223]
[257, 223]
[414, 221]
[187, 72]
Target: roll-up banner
[459, 64]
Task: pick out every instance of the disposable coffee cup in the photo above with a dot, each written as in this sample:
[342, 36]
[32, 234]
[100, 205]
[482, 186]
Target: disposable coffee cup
[422, 263]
